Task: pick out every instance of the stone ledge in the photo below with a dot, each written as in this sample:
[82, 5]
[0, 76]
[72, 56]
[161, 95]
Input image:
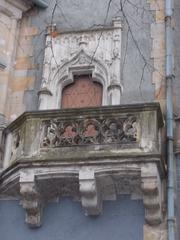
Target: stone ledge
[91, 111]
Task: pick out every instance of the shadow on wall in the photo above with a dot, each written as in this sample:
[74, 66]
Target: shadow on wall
[121, 219]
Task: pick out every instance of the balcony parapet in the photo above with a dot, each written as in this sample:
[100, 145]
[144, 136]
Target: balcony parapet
[90, 154]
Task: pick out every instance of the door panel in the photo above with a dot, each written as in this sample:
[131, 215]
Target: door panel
[83, 92]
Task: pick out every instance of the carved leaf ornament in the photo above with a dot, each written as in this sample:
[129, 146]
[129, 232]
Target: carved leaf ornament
[61, 133]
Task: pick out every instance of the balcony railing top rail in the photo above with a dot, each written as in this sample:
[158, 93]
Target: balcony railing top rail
[90, 112]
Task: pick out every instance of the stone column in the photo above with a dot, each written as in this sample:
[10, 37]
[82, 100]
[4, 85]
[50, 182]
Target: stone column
[114, 93]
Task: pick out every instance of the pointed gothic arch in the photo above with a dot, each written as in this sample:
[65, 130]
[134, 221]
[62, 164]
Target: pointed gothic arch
[80, 64]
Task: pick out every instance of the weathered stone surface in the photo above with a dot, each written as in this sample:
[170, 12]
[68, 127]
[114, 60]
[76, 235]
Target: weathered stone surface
[122, 155]
[21, 83]
[30, 199]
[158, 50]
[155, 233]
[90, 194]
[152, 197]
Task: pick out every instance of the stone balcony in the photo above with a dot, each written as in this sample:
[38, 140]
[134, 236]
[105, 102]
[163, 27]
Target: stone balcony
[89, 154]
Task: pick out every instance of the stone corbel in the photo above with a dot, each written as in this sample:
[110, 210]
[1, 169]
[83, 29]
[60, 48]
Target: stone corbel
[152, 195]
[90, 194]
[31, 200]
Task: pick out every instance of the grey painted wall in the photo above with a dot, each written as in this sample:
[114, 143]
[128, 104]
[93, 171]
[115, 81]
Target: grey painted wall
[122, 219]
[71, 15]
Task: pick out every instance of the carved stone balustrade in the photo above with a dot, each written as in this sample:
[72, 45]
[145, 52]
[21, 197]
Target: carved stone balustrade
[89, 154]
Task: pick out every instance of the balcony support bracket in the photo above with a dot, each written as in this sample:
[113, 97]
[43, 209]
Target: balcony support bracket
[31, 200]
[152, 188]
[90, 194]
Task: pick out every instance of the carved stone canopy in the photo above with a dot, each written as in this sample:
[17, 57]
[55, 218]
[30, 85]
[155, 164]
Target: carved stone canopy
[96, 52]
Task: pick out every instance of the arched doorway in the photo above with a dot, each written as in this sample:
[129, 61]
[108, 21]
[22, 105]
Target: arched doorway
[83, 92]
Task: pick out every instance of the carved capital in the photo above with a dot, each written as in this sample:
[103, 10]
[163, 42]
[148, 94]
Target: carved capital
[151, 189]
[31, 202]
[45, 91]
[90, 194]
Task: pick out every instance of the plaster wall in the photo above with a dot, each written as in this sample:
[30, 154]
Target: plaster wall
[122, 219]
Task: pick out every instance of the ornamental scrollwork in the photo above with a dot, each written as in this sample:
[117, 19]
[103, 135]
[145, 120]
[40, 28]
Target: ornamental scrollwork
[61, 133]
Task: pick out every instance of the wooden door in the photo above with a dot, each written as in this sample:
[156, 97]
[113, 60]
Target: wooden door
[83, 92]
